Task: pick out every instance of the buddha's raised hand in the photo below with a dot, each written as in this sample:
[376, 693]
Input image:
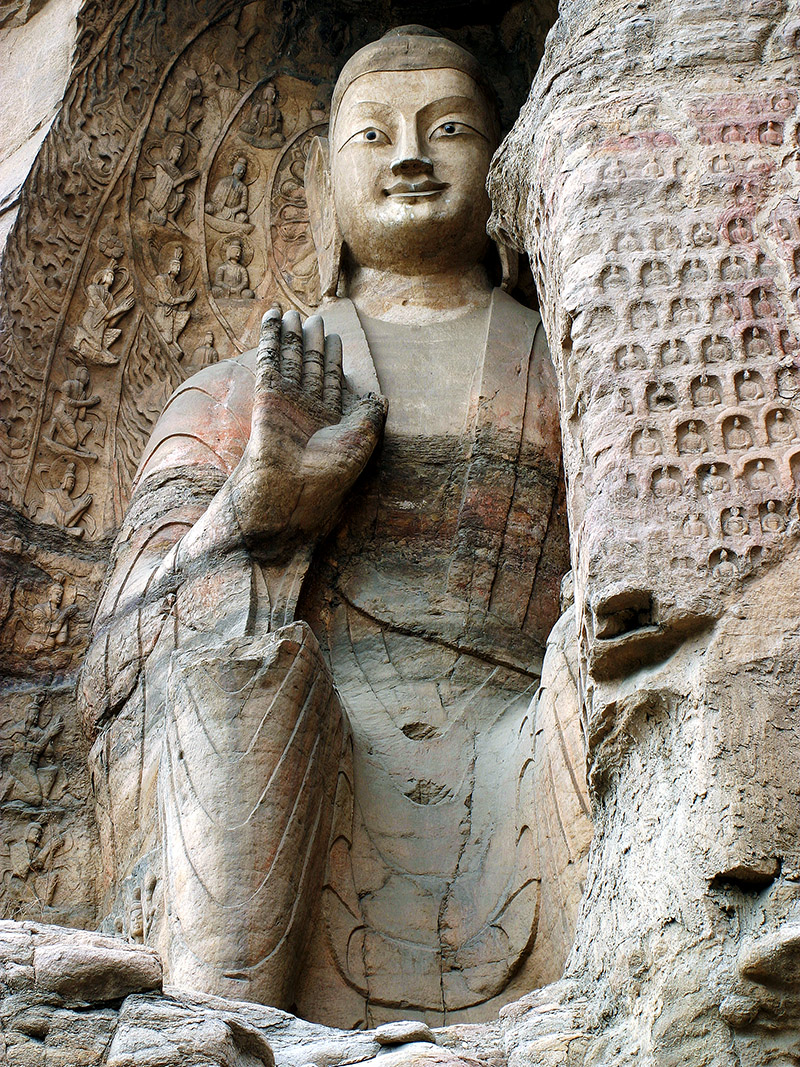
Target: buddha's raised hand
[303, 454]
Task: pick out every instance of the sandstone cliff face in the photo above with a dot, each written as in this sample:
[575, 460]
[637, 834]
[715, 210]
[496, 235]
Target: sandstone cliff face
[36, 42]
[652, 177]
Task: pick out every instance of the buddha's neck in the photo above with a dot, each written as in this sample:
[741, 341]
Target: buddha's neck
[419, 299]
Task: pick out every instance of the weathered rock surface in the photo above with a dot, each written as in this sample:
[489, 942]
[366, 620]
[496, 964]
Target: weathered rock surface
[50, 1013]
[652, 179]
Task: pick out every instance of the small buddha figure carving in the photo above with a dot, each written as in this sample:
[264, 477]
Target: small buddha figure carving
[655, 273]
[740, 232]
[685, 312]
[696, 527]
[665, 485]
[771, 520]
[647, 443]
[748, 388]
[325, 639]
[763, 306]
[761, 479]
[715, 481]
[723, 310]
[738, 436]
[780, 428]
[705, 394]
[692, 442]
[726, 568]
[653, 170]
[757, 344]
[206, 353]
[695, 272]
[716, 350]
[735, 524]
[231, 279]
[230, 200]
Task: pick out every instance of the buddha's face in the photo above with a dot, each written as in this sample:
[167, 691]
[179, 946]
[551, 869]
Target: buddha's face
[409, 156]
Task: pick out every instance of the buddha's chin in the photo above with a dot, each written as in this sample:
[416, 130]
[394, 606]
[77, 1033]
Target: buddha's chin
[420, 242]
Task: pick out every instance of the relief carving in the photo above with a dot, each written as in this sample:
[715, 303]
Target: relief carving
[165, 195]
[230, 200]
[65, 502]
[263, 127]
[170, 314]
[231, 279]
[94, 336]
[27, 777]
[49, 620]
[70, 425]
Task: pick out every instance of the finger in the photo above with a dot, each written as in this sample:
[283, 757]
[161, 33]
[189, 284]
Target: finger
[313, 356]
[336, 455]
[268, 353]
[292, 348]
[332, 385]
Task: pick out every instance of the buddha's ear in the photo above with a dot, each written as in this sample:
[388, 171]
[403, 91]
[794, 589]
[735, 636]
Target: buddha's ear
[322, 215]
[509, 263]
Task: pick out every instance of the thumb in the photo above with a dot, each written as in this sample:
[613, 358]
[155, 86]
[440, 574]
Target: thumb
[337, 454]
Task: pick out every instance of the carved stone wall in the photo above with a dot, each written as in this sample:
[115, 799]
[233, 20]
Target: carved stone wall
[164, 212]
[653, 179]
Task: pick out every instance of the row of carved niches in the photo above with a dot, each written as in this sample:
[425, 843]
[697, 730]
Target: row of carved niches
[683, 376]
[46, 854]
[211, 228]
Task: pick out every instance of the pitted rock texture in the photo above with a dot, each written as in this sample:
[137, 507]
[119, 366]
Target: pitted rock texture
[652, 179]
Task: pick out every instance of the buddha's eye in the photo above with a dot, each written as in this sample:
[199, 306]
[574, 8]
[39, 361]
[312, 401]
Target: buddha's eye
[452, 129]
[369, 135]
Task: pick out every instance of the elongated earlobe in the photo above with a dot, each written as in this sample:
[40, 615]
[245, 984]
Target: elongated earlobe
[322, 214]
[509, 263]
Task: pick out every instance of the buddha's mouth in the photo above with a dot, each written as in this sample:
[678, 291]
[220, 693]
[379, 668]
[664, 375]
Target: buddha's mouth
[426, 187]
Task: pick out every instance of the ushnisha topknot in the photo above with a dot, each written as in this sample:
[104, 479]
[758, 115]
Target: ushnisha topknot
[413, 48]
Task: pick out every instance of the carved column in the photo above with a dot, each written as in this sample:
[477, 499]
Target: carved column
[653, 179]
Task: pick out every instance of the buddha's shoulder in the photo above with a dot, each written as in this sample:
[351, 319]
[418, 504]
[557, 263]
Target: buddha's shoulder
[207, 418]
[506, 306]
[228, 383]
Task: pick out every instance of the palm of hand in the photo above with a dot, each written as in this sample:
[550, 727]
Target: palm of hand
[302, 456]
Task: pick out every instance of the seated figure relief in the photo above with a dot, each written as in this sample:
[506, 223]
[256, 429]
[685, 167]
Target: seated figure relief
[231, 280]
[328, 603]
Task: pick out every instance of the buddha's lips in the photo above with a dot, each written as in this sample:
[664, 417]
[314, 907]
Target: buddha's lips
[426, 187]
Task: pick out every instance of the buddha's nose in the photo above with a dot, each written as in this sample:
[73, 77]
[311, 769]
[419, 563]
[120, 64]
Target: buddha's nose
[411, 166]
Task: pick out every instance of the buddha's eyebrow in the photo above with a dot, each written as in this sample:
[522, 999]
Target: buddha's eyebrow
[452, 103]
[368, 108]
